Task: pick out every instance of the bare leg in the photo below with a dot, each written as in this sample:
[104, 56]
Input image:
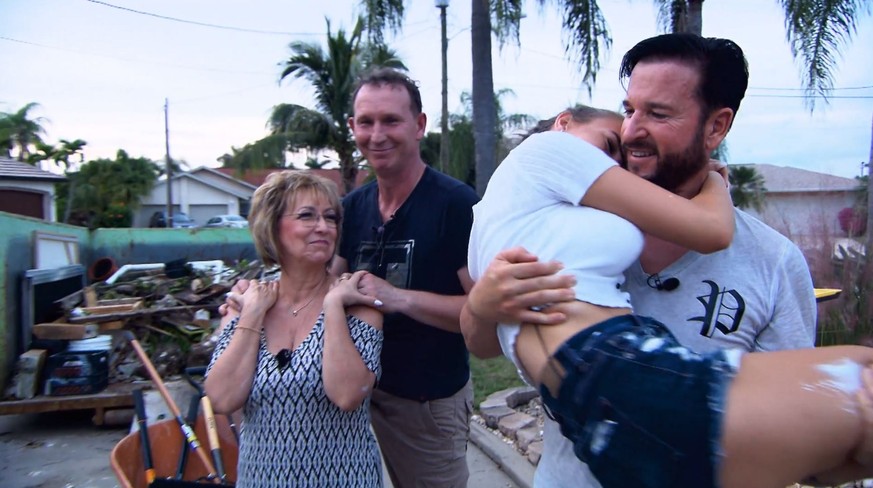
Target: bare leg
[859, 465]
[864, 454]
[796, 415]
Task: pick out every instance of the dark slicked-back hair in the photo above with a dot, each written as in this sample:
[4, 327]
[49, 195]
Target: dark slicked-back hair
[390, 77]
[724, 72]
[580, 113]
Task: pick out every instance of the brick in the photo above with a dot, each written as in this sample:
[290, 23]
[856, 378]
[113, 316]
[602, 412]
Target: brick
[535, 452]
[492, 401]
[526, 436]
[492, 415]
[511, 424]
[521, 396]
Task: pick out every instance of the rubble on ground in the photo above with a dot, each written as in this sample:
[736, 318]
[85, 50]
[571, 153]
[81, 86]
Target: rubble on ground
[171, 310]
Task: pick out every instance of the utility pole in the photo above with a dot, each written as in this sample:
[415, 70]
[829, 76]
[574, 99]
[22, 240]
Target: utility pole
[444, 120]
[169, 213]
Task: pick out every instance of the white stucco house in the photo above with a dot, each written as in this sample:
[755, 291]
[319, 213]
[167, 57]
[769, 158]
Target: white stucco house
[201, 193]
[803, 205]
[28, 190]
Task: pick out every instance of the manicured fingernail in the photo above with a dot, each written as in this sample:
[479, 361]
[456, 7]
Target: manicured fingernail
[378, 302]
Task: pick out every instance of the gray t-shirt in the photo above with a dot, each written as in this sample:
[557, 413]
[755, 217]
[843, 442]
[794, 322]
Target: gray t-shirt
[756, 295]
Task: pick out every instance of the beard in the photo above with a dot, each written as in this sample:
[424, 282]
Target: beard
[676, 168]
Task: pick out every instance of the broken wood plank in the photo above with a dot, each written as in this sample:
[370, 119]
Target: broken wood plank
[114, 308]
[137, 313]
[65, 331]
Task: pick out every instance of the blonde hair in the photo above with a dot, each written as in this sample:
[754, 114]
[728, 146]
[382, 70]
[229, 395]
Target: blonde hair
[271, 200]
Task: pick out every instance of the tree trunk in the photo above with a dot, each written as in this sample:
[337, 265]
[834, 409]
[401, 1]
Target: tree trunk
[348, 169]
[694, 22]
[678, 16]
[484, 109]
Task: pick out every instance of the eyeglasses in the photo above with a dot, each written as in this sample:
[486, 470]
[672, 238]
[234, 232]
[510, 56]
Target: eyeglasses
[310, 219]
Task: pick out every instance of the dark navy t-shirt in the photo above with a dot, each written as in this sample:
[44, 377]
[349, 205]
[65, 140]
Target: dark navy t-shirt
[421, 248]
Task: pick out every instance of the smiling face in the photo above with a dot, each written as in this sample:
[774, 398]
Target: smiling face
[308, 228]
[387, 131]
[663, 130]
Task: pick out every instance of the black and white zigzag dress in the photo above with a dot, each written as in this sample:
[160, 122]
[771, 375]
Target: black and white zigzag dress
[292, 434]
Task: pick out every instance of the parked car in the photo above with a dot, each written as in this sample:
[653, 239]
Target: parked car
[234, 221]
[180, 220]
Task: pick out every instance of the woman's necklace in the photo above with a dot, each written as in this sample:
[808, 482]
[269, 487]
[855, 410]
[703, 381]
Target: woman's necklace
[294, 311]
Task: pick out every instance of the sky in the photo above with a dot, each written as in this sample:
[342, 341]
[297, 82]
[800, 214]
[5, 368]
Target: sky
[103, 73]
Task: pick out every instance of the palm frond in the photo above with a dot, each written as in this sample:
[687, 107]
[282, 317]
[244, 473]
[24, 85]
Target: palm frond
[506, 18]
[816, 31]
[381, 15]
[587, 37]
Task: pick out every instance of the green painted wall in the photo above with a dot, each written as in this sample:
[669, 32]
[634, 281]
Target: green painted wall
[124, 246]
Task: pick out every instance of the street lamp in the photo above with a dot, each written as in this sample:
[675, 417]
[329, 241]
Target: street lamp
[444, 120]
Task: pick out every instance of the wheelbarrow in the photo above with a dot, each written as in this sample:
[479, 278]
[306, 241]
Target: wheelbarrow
[167, 446]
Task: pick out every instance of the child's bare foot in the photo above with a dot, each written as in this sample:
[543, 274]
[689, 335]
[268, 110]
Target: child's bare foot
[864, 453]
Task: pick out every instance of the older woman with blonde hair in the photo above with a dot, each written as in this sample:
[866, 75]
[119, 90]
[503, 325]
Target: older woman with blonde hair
[300, 355]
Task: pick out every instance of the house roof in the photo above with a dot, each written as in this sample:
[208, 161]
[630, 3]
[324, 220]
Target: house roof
[784, 179]
[11, 169]
[237, 192]
[221, 174]
[256, 177]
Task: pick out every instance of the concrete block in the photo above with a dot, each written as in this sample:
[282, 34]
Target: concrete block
[492, 415]
[30, 365]
[526, 436]
[511, 424]
[492, 401]
[521, 396]
[535, 452]
[156, 409]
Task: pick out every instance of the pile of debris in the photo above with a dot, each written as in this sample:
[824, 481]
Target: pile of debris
[171, 308]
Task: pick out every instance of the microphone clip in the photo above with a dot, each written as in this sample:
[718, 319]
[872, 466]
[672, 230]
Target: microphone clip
[668, 284]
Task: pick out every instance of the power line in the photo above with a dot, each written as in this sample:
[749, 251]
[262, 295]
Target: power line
[802, 89]
[829, 97]
[128, 60]
[205, 24]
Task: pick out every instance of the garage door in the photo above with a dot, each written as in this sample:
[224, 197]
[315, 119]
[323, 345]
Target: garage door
[22, 202]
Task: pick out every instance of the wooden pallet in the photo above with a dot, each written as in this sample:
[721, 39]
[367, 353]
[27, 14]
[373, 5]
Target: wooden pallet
[116, 395]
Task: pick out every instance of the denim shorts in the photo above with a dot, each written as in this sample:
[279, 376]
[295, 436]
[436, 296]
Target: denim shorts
[640, 409]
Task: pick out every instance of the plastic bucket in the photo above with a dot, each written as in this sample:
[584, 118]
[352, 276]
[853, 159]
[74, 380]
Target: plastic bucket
[100, 343]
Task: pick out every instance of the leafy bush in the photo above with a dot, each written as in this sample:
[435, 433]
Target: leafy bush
[853, 221]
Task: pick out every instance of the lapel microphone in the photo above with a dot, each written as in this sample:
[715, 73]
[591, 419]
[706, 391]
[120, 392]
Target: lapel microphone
[669, 284]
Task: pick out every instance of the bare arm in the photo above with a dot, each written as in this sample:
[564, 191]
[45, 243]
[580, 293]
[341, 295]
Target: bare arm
[440, 311]
[704, 223]
[230, 379]
[347, 380]
[513, 283]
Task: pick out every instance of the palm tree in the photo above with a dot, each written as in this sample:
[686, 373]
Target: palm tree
[104, 192]
[67, 149]
[332, 74]
[19, 131]
[816, 31]
[587, 38]
[747, 187]
[462, 150]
